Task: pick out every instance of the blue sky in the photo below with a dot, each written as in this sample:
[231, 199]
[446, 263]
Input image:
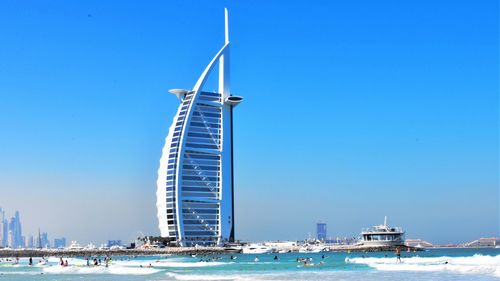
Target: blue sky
[353, 110]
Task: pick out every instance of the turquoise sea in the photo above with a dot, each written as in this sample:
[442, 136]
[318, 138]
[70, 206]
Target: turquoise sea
[435, 264]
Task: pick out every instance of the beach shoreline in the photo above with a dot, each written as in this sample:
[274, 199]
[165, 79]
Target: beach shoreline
[5, 253]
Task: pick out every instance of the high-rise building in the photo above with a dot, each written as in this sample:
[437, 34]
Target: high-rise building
[2, 233]
[60, 242]
[195, 184]
[5, 232]
[112, 243]
[321, 231]
[31, 242]
[45, 243]
[10, 240]
[15, 232]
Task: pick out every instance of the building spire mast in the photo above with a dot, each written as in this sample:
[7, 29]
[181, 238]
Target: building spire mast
[226, 26]
[224, 61]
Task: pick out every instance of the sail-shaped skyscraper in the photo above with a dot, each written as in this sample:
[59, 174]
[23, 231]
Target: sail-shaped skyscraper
[195, 187]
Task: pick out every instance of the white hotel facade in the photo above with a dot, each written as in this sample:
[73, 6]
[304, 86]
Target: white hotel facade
[195, 187]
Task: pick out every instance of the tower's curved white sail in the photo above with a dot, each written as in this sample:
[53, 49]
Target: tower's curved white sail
[195, 180]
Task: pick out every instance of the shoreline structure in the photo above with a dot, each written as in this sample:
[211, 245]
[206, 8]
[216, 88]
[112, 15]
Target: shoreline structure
[7, 253]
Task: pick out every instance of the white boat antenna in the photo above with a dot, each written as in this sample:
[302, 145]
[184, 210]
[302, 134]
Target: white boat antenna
[385, 221]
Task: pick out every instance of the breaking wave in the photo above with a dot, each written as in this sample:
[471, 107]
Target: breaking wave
[204, 277]
[99, 270]
[477, 264]
[167, 263]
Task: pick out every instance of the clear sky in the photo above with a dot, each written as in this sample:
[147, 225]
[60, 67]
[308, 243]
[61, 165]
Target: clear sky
[353, 110]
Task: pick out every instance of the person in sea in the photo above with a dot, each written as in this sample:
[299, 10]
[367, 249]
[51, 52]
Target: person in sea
[398, 254]
[312, 264]
[61, 262]
[30, 261]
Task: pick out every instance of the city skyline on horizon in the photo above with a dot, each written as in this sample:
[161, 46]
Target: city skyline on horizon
[13, 236]
[311, 233]
[359, 112]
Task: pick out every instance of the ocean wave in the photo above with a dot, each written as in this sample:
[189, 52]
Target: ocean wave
[21, 273]
[167, 263]
[210, 277]
[477, 264]
[120, 270]
[189, 264]
[260, 262]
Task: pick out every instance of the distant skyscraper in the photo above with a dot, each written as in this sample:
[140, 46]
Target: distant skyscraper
[10, 240]
[195, 187]
[15, 232]
[31, 242]
[45, 240]
[60, 242]
[5, 232]
[3, 235]
[39, 239]
[112, 243]
[321, 231]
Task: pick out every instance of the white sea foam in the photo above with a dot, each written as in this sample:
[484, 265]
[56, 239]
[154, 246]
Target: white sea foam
[477, 264]
[267, 276]
[21, 273]
[189, 264]
[71, 261]
[207, 277]
[99, 270]
[166, 263]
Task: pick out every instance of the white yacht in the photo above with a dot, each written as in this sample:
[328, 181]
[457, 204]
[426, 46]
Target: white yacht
[104, 247]
[382, 235]
[313, 249]
[256, 249]
[75, 246]
[117, 247]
